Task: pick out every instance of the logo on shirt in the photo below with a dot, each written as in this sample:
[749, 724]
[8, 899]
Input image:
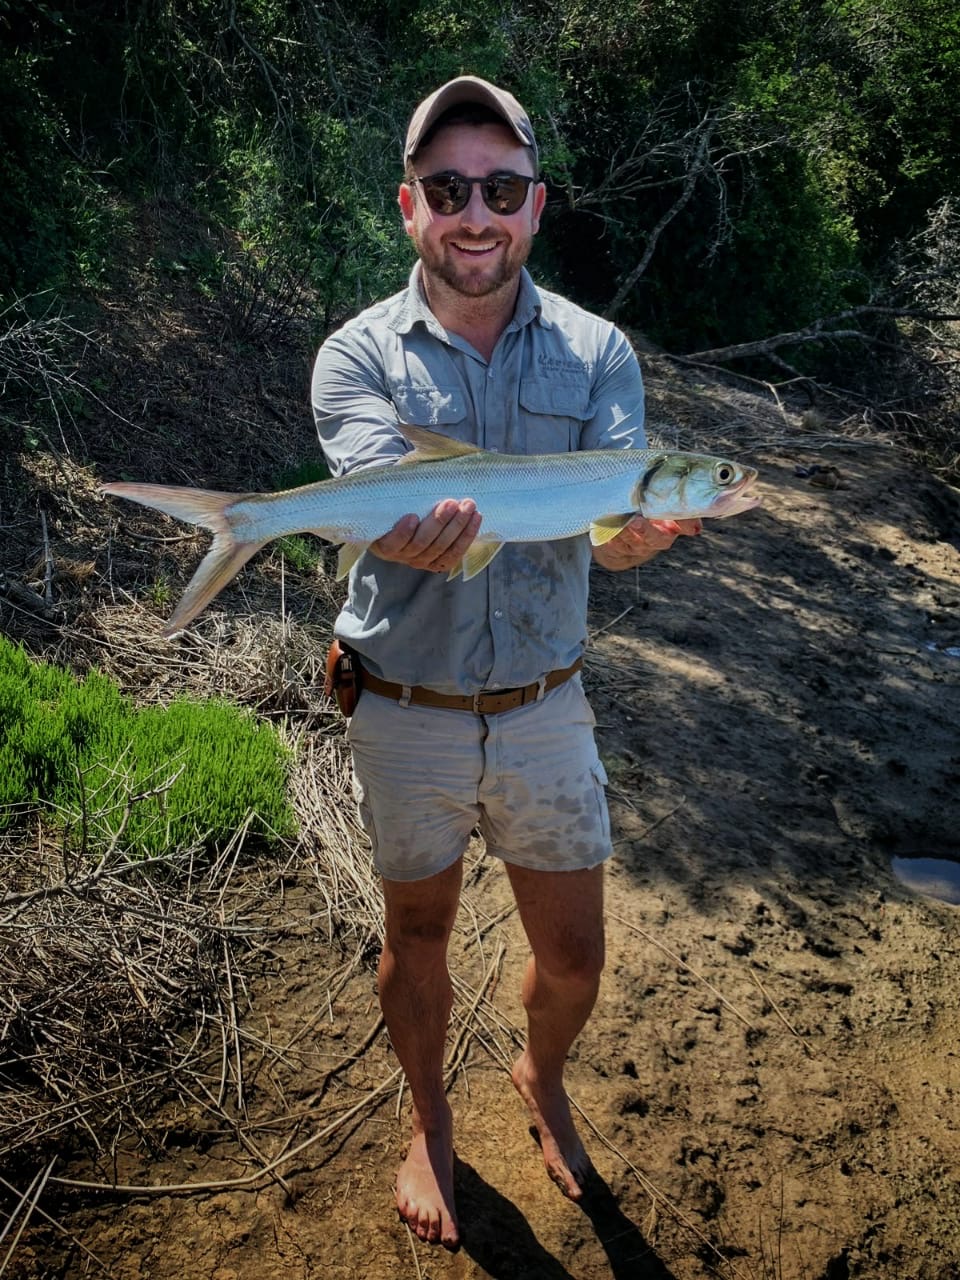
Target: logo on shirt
[556, 364]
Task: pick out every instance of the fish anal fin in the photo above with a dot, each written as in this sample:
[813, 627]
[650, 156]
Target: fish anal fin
[347, 557]
[475, 560]
[604, 528]
[431, 446]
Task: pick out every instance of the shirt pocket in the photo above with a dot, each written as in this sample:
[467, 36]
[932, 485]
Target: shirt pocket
[553, 413]
[442, 409]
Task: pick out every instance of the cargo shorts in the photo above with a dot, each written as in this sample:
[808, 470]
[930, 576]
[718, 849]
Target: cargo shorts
[530, 780]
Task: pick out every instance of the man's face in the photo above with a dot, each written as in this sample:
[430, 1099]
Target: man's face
[476, 251]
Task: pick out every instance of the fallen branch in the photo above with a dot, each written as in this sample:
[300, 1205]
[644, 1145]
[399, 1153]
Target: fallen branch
[819, 331]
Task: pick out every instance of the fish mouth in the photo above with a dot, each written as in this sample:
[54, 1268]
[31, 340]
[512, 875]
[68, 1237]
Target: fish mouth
[740, 498]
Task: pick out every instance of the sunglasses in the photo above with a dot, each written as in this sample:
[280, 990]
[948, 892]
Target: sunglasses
[449, 193]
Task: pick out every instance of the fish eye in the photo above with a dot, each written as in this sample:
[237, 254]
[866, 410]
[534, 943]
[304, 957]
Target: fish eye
[724, 473]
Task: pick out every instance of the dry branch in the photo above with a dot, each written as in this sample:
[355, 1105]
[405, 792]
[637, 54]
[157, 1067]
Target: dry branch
[826, 330]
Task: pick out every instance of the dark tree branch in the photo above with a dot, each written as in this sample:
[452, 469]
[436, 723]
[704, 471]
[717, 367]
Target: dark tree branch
[819, 331]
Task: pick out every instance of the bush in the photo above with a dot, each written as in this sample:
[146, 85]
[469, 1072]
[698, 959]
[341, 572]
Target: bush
[152, 778]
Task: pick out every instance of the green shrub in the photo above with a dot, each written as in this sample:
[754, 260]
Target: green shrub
[192, 771]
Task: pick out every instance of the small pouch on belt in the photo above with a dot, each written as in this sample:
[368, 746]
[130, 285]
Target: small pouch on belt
[343, 677]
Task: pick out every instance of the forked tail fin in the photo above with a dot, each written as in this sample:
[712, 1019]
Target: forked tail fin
[210, 509]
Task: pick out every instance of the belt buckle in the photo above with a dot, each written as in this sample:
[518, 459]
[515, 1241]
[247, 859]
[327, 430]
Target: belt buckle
[476, 702]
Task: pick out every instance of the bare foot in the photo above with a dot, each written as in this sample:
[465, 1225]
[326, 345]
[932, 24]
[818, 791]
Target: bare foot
[563, 1154]
[425, 1187]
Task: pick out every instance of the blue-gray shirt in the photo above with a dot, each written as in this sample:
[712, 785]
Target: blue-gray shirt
[559, 379]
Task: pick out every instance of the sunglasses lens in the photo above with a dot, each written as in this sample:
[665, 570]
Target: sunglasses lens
[448, 193]
[505, 194]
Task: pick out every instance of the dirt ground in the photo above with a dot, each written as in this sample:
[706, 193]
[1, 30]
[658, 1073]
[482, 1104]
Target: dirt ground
[770, 1083]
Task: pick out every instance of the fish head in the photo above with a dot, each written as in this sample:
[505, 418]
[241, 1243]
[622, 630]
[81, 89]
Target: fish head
[682, 486]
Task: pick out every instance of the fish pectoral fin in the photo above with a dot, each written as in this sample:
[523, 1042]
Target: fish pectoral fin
[431, 446]
[475, 560]
[606, 527]
[347, 557]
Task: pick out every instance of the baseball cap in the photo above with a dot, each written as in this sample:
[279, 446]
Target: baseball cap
[470, 89]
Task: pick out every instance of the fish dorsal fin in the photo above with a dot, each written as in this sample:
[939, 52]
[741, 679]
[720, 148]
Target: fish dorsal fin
[476, 559]
[347, 557]
[606, 527]
[432, 446]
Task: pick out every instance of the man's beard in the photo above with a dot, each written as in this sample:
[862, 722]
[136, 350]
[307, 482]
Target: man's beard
[480, 284]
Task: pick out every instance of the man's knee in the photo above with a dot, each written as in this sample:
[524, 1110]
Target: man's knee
[412, 936]
[577, 962]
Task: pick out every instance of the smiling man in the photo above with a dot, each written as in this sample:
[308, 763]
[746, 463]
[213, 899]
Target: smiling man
[471, 713]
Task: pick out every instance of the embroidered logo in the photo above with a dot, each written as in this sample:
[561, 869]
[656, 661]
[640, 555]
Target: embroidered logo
[556, 364]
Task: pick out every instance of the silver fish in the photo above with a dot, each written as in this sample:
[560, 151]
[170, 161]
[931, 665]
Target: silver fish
[521, 498]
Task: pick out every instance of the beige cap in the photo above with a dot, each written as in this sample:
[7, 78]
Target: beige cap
[470, 89]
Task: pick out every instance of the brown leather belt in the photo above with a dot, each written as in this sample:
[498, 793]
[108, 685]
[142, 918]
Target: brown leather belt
[483, 704]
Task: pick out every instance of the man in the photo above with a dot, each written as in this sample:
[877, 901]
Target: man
[472, 713]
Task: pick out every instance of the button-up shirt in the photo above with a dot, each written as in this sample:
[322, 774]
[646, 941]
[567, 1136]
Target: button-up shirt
[559, 379]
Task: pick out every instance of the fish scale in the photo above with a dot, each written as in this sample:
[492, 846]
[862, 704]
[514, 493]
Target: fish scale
[521, 498]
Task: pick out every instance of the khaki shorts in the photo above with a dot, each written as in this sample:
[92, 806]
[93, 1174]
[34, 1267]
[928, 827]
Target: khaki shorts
[530, 779]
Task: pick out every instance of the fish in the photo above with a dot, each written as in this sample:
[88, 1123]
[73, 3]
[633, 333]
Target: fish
[521, 498]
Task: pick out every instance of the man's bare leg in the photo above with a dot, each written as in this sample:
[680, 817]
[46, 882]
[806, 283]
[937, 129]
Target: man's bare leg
[562, 913]
[415, 996]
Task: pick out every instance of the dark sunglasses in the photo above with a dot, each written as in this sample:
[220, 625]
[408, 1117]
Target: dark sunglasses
[449, 193]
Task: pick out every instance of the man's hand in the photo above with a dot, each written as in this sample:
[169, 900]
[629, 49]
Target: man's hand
[437, 542]
[641, 540]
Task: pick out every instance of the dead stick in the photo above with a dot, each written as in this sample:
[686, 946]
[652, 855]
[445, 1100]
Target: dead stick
[413, 1250]
[689, 969]
[249, 1180]
[459, 1047]
[32, 1194]
[48, 563]
[653, 1191]
[61, 1228]
[778, 1011]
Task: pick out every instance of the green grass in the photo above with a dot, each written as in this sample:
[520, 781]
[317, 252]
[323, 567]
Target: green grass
[153, 778]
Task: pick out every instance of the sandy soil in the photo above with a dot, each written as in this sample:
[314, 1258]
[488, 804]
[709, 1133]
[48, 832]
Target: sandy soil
[769, 1085]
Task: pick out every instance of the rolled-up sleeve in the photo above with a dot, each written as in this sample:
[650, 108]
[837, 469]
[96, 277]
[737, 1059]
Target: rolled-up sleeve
[355, 418]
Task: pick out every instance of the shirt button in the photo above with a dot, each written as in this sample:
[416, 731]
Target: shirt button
[498, 613]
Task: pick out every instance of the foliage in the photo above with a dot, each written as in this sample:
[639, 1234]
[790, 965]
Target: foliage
[691, 145]
[151, 778]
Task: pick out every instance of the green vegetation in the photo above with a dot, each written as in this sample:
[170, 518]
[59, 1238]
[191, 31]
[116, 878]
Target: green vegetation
[151, 778]
[300, 554]
[716, 169]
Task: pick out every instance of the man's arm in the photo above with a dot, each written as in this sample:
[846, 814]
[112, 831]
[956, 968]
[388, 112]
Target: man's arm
[641, 540]
[357, 427]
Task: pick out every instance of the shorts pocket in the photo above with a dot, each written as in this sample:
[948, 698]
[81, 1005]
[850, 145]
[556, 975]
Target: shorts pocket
[599, 774]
